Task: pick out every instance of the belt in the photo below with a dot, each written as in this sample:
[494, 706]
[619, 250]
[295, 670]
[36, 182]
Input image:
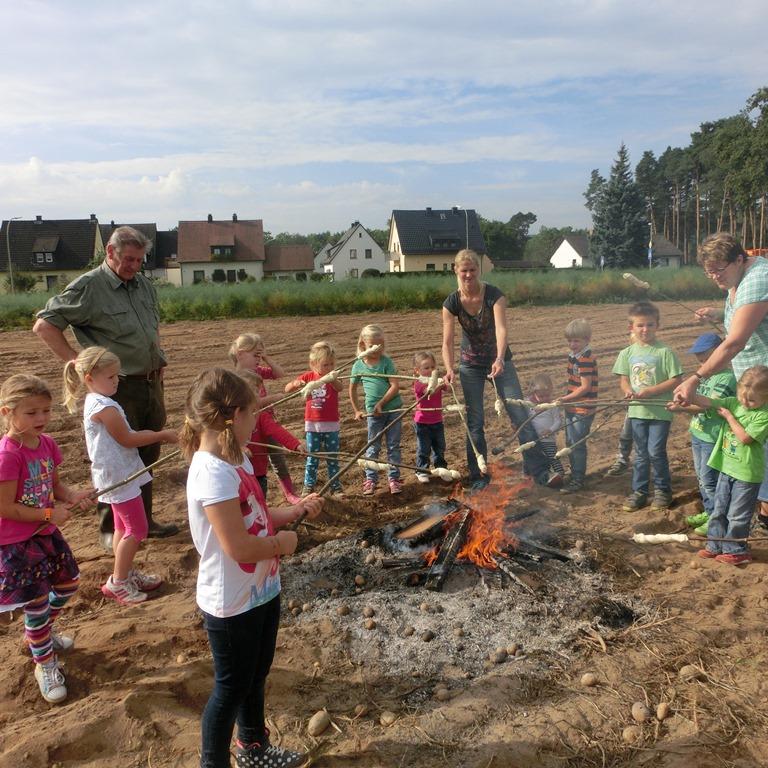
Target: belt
[148, 376]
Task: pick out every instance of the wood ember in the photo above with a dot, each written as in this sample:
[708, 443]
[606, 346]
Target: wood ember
[446, 556]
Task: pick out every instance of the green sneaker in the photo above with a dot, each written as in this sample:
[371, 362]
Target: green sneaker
[694, 521]
[702, 529]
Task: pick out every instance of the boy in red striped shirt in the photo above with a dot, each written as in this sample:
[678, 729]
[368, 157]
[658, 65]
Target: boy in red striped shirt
[582, 386]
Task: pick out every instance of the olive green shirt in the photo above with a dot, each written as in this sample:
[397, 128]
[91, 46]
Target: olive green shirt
[105, 311]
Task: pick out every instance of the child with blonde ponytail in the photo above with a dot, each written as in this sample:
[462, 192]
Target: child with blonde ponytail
[238, 584]
[112, 448]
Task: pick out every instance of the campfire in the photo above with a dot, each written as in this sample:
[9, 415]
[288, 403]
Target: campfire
[482, 529]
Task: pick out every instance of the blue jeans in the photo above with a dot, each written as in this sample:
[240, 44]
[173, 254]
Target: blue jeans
[649, 438]
[707, 476]
[734, 506]
[392, 437]
[242, 647]
[321, 442]
[473, 381]
[577, 426]
[430, 444]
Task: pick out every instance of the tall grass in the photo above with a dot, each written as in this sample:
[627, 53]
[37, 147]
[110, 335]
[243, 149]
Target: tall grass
[269, 299]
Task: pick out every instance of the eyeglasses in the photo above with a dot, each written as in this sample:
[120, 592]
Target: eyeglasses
[716, 272]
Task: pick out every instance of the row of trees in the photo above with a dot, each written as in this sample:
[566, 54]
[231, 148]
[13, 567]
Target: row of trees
[718, 182]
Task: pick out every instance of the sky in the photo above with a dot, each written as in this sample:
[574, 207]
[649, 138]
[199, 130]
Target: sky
[311, 115]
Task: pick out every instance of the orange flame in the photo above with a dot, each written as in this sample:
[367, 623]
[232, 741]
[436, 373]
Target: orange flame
[487, 536]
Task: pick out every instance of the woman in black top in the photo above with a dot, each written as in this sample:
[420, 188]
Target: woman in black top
[481, 311]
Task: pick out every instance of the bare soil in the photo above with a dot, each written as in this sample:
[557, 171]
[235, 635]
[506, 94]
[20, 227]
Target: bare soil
[139, 677]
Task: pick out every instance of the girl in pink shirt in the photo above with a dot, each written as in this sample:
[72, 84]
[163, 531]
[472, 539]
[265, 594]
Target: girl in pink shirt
[428, 419]
[38, 572]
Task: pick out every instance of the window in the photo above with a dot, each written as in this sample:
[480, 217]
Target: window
[446, 267]
[217, 251]
[368, 253]
[353, 273]
[353, 253]
[198, 276]
[231, 276]
[442, 217]
[430, 267]
[39, 258]
[49, 258]
[359, 234]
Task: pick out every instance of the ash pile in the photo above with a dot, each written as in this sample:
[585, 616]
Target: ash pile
[468, 586]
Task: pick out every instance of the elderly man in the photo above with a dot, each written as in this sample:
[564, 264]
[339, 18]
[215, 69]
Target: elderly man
[115, 306]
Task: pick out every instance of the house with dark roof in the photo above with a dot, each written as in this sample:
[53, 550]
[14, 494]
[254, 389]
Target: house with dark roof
[221, 251]
[665, 253]
[572, 253]
[52, 251]
[354, 255]
[428, 240]
[288, 262]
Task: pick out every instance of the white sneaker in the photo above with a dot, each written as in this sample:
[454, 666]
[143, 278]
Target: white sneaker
[61, 642]
[422, 478]
[145, 582]
[126, 593]
[50, 679]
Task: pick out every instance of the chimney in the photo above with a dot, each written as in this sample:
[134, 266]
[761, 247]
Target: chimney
[455, 210]
[429, 211]
[234, 217]
[355, 223]
[210, 218]
[38, 219]
[112, 223]
[93, 217]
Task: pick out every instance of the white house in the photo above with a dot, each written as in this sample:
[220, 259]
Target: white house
[322, 256]
[573, 252]
[665, 254]
[355, 254]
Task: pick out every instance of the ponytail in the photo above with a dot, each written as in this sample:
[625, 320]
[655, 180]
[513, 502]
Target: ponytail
[73, 386]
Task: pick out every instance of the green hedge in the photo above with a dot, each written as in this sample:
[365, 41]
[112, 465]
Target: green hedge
[208, 301]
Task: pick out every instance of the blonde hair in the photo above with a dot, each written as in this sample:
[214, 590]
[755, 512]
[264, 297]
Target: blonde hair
[422, 355]
[754, 380]
[19, 387]
[578, 329]
[321, 351]
[212, 400]
[541, 382]
[720, 247]
[89, 360]
[466, 254]
[245, 342]
[370, 333]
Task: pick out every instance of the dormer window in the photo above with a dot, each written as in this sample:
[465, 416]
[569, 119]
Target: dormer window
[43, 257]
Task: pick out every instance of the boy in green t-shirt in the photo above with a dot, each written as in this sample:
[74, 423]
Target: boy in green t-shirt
[648, 369]
[705, 426]
[738, 456]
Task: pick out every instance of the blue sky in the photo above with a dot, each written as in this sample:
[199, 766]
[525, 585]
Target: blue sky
[310, 115]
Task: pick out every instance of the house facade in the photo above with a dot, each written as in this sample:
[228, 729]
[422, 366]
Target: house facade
[288, 262]
[428, 240]
[220, 251]
[572, 253]
[49, 252]
[665, 253]
[354, 255]
[160, 261]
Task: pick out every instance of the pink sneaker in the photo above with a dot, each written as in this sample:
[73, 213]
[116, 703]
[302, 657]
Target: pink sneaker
[731, 559]
[126, 593]
[395, 485]
[145, 582]
[369, 487]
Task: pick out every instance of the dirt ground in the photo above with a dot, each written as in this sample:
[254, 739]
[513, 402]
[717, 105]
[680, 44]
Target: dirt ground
[139, 677]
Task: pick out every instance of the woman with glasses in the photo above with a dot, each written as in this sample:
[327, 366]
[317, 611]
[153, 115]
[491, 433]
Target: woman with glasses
[745, 278]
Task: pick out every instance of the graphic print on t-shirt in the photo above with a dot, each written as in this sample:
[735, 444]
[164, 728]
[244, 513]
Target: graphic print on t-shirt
[38, 487]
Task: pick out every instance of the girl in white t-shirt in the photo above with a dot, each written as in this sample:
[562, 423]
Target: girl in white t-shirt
[238, 583]
[112, 448]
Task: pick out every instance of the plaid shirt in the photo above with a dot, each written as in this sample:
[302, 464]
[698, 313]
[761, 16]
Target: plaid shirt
[752, 289]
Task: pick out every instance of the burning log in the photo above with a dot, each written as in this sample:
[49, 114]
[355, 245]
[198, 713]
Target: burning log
[402, 562]
[559, 554]
[452, 543]
[507, 569]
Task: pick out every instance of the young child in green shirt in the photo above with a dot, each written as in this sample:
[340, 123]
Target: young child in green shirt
[648, 369]
[705, 427]
[738, 456]
[382, 398]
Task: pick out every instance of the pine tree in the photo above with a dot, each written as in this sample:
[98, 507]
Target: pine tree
[620, 228]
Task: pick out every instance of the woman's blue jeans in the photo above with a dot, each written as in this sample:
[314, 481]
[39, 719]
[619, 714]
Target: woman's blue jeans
[706, 476]
[242, 647]
[649, 436]
[473, 382]
[734, 506]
